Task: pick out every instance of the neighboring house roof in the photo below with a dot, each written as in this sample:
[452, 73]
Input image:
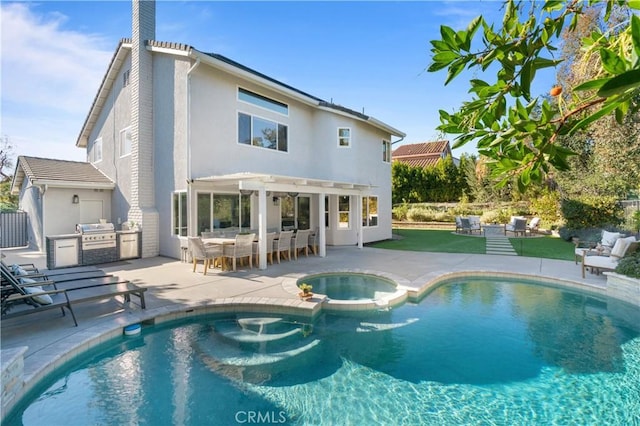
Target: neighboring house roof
[217, 61]
[58, 173]
[421, 154]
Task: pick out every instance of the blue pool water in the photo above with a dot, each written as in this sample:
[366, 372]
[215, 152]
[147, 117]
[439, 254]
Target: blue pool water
[472, 352]
[350, 286]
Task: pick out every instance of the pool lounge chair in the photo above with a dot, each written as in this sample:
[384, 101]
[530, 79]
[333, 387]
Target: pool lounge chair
[21, 296]
[622, 247]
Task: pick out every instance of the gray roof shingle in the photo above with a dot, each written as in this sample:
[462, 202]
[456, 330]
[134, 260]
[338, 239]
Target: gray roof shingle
[62, 171]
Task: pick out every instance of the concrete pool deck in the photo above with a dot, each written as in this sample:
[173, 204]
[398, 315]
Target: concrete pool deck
[46, 340]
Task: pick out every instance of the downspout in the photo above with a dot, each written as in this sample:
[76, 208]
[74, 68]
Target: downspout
[188, 124]
[188, 121]
[399, 140]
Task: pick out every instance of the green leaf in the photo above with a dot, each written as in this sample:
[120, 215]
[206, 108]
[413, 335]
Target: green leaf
[606, 109]
[591, 85]
[634, 4]
[446, 57]
[612, 62]
[449, 37]
[540, 63]
[526, 75]
[454, 69]
[439, 45]
[620, 83]
[635, 33]
[553, 5]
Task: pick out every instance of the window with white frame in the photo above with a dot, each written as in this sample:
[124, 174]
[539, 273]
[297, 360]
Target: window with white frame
[344, 137]
[179, 213]
[125, 142]
[370, 211]
[262, 101]
[260, 132]
[344, 207]
[96, 151]
[386, 151]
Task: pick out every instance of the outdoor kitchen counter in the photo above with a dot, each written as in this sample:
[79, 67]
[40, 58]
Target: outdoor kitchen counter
[63, 250]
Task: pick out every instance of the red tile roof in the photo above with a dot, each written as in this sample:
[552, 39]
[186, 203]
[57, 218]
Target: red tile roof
[421, 154]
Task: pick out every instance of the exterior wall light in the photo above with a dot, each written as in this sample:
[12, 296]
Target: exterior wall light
[75, 199]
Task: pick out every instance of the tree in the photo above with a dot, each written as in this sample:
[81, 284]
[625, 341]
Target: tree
[516, 131]
[7, 200]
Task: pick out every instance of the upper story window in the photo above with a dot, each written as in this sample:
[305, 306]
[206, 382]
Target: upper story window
[386, 151]
[262, 133]
[96, 151]
[125, 142]
[344, 137]
[262, 101]
[125, 78]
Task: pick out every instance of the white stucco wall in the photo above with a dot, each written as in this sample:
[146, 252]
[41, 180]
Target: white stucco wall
[31, 203]
[58, 200]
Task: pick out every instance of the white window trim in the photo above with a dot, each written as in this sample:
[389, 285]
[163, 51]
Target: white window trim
[348, 227]
[262, 118]
[173, 217]
[341, 137]
[258, 106]
[96, 142]
[365, 214]
[123, 132]
[388, 145]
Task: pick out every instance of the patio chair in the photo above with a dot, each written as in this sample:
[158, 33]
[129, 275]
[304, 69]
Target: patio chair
[533, 225]
[241, 248]
[301, 242]
[622, 248]
[19, 299]
[603, 247]
[207, 254]
[458, 224]
[283, 244]
[314, 238]
[474, 222]
[256, 248]
[517, 225]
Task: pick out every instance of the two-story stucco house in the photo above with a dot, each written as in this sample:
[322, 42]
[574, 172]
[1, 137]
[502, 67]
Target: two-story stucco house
[195, 142]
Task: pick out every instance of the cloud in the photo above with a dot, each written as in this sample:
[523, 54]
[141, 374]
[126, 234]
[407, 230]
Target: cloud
[47, 71]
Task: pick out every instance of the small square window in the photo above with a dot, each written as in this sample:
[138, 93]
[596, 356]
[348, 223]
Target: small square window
[344, 137]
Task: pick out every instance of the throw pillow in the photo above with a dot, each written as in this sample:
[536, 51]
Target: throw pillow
[43, 299]
[609, 238]
[18, 270]
[619, 248]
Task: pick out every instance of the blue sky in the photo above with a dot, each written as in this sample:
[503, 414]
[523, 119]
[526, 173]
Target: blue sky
[363, 55]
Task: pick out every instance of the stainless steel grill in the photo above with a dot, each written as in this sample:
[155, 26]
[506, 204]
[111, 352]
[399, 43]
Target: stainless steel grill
[97, 235]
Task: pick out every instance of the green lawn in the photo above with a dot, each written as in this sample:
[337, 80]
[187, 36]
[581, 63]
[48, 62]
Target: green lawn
[448, 242]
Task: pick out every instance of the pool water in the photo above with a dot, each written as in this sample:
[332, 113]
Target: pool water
[472, 352]
[350, 286]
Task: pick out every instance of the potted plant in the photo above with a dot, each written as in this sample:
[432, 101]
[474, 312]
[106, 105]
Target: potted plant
[305, 291]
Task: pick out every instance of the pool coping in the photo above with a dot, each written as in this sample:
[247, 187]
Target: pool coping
[54, 356]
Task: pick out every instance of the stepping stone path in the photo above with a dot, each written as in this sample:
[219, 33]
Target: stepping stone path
[498, 243]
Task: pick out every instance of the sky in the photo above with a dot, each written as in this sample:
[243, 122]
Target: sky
[367, 56]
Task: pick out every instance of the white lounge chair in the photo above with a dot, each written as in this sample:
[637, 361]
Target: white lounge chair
[621, 248]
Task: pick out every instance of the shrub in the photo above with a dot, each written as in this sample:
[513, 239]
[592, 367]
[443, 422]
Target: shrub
[399, 212]
[490, 216]
[547, 208]
[630, 265]
[591, 212]
[420, 214]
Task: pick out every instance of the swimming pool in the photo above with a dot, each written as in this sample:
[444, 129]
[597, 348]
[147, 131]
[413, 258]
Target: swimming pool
[350, 286]
[472, 351]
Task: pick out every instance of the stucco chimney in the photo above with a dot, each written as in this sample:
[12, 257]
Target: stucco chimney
[143, 209]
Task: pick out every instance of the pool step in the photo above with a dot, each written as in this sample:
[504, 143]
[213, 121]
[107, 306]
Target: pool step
[498, 244]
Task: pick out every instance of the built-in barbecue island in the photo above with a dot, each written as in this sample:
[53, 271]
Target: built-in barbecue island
[93, 243]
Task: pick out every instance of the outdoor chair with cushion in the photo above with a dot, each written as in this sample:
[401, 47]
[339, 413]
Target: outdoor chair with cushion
[602, 247]
[314, 238]
[621, 248]
[517, 225]
[474, 222]
[208, 254]
[256, 248]
[301, 242]
[283, 245]
[242, 248]
[533, 226]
